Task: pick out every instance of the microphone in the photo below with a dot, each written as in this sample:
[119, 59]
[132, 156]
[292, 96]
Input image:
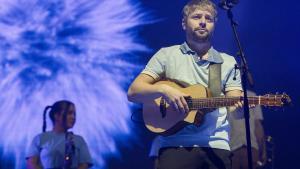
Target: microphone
[227, 4]
[69, 150]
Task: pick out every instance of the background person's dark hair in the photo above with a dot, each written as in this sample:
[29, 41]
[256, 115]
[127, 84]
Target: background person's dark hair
[58, 107]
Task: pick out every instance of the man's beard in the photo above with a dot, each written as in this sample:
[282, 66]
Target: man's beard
[201, 38]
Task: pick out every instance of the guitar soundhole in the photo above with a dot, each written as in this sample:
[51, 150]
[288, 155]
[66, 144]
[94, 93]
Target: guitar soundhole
[189, 101]
[163, 108]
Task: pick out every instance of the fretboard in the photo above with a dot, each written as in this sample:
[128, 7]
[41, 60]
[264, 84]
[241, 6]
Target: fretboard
[216, 102]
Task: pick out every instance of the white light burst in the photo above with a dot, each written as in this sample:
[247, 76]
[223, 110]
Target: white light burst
[66, 49]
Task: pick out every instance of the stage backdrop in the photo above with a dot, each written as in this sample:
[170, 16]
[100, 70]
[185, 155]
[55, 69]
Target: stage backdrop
[88, 51]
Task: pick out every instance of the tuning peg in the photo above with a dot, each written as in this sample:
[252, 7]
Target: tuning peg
[286, 100]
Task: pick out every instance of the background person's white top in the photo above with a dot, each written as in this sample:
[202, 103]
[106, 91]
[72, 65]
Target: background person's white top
[179, 63]
[50, 148]
[237, 127]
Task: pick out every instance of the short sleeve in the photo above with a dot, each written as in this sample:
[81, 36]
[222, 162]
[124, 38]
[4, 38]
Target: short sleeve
[35, 147]
[233, 80]
[156, 65]
[84, 155]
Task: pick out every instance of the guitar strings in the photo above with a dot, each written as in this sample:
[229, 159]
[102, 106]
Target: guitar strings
[228, 101]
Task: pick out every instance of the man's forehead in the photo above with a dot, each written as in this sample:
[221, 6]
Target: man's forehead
[203, 10]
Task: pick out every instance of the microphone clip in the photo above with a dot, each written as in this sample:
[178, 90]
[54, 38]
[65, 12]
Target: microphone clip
[227, 4]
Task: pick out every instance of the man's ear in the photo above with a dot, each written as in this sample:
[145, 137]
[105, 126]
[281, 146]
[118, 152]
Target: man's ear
[183, 23]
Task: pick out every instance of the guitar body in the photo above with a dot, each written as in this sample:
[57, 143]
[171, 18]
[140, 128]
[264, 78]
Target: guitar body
[172, 121]
[161, 118]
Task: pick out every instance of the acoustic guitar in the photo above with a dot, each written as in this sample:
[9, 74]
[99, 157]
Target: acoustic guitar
[161, 118]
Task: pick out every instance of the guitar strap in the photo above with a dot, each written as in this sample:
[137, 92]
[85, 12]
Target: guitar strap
[214, 85]
[214, 79]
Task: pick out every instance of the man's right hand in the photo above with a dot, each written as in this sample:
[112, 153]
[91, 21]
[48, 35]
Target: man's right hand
[175, 98]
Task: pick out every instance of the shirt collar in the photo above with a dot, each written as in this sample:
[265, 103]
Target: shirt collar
[213, 55]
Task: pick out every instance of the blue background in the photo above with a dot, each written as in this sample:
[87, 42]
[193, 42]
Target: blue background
[269, 32]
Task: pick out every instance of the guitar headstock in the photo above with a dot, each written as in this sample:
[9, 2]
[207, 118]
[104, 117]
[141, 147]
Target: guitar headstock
[276, 100]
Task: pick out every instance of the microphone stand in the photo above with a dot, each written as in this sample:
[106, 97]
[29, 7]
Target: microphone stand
[245, 77]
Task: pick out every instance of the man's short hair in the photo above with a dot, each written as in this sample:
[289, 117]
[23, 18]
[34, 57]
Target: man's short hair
[192, 5]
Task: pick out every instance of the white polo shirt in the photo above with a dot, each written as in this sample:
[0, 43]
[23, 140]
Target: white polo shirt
[181, 64]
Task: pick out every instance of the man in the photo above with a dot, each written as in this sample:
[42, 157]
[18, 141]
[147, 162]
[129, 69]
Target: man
[192, 147]
[238, 141]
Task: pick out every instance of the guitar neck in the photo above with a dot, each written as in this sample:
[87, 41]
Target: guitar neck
[216, 102]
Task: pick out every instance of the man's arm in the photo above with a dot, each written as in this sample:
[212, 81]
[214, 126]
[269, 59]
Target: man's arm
[234, 93]
[144, 89]
[83, 166]
[33, 163]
